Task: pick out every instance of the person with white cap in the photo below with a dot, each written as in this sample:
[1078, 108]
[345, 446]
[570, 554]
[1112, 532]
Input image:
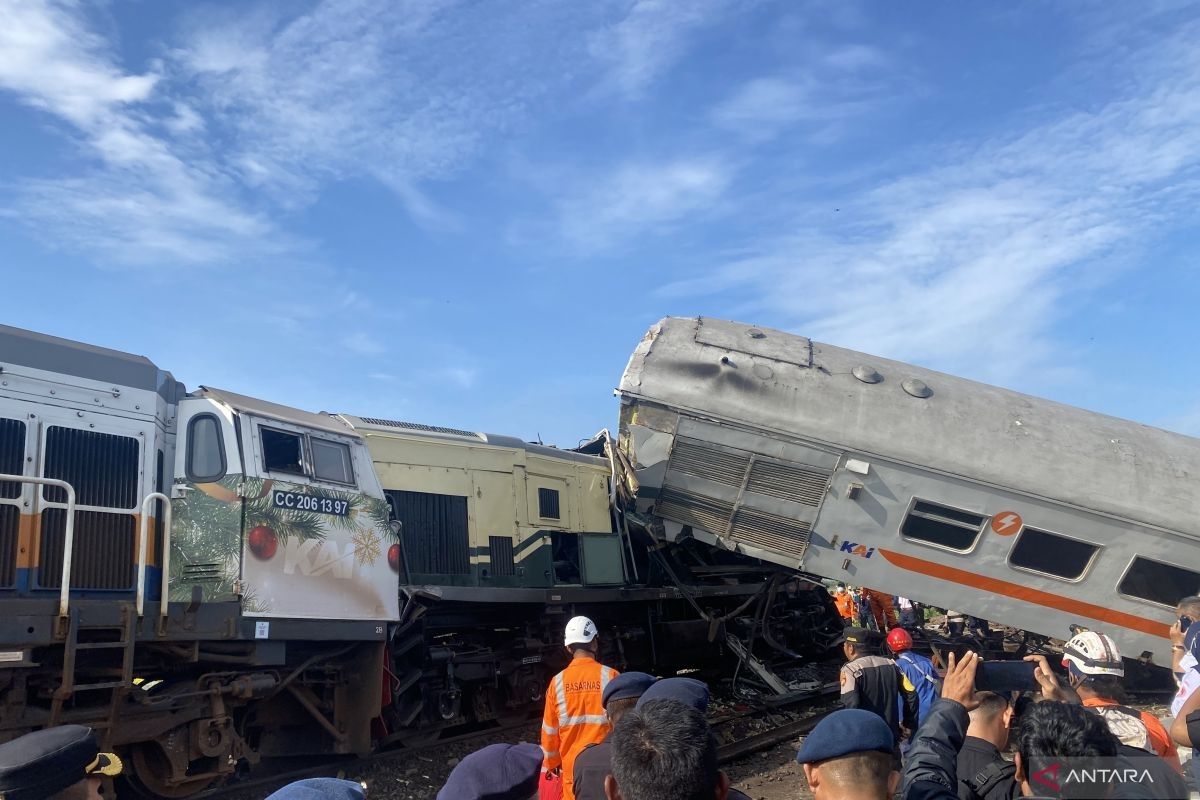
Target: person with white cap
[1094, 670]
[574, 715]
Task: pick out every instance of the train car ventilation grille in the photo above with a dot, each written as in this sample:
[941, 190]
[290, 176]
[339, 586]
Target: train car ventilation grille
[788, 482]
[103, 557]
[709, 463]
[692, 509]
[10, 523]
[500, 549]
[771, 532]
[201, 573]
[416, 426]
[12, 454]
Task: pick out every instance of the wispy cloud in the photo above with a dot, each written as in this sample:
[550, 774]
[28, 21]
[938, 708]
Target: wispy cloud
[648, 38]
[642, 196]
[363, 344]
[964, 265]
[141, 201]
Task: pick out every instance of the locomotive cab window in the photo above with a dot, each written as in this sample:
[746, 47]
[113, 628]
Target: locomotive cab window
[1156, 582]
[331, 461]
[941, 526]
[282, 451]
[1052, 554]
[206, 451]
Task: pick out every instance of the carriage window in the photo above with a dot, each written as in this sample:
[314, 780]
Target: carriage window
[1165, 584]
[1052, 554]
[206, 452]
[331, 461]
[282, 451]
[942, 526]
[548, 504]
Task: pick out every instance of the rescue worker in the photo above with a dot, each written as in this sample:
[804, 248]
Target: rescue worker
[882, 610]
[593, 763]
[1094, 671]
[574, 715]
[844, 602]
[917, 668]
[876, 684]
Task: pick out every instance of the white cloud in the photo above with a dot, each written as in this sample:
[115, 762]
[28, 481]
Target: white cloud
[649, 37]
[363, 344]
[642, 196]
[461, 376]
[966, 265]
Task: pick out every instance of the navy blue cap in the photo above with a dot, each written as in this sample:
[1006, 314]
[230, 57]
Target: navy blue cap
[626, 685]
[320, 789]
[688, 691]
[497, 772]
[848, 730]
[45, 762]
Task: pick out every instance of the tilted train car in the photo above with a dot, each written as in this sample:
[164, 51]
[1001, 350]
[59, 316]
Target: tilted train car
[331, 583]
[917, 483]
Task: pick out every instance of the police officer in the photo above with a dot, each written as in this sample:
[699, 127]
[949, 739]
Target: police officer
[60, 763]
[574, 715]
[874, 683]
[497, 772]
[592, 764]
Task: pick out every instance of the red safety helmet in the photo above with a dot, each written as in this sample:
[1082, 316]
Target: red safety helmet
[899, 640]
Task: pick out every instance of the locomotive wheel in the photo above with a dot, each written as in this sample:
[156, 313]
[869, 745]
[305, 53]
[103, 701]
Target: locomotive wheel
[152, 771]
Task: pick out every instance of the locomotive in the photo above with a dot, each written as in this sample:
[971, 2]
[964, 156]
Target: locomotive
[913, 482]
[210, 579]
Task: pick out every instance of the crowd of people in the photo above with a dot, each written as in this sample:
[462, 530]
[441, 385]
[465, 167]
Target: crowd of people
[906, 731]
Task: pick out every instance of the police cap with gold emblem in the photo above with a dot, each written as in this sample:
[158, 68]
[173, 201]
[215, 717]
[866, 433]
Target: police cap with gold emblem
[41, 763]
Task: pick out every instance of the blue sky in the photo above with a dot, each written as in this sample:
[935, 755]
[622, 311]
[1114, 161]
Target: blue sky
[468, 213]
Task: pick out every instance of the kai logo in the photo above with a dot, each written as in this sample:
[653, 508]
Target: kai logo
[856, 549]
[313, 557]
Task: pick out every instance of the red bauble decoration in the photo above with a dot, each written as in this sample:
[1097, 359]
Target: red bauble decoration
[263, 542]
[394, 557]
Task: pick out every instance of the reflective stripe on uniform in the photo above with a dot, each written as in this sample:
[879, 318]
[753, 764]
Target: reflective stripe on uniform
[606, 675]
[560, 694]
[549, 731]
[584, 719]
[547, 754]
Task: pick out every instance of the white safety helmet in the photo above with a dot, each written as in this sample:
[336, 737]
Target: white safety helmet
[580, 630]
[1093, 654]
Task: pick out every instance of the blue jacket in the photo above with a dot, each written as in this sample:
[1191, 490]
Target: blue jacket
[921, 674]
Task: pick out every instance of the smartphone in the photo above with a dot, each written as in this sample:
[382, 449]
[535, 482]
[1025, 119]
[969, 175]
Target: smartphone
[1184, 624]
[1006, 676]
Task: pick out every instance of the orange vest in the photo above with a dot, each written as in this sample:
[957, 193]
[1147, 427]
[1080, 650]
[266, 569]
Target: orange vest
[574, 716]
[845, 605]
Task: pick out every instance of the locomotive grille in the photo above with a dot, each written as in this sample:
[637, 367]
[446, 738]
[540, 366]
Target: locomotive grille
[103, 557]
[770, 532]
[435, 532]
[103, 467]
[719, 466]
[788, 482]
[692, 509]
[10, 522]
[12, 454]
[416, 426]
[500, 549]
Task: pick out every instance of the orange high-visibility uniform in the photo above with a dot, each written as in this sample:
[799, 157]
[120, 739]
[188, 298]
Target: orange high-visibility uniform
[574, 716]
[845, 606]
[881, 609]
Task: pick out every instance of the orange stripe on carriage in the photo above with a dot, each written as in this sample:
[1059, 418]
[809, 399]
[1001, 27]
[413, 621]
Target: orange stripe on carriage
[1026, 594]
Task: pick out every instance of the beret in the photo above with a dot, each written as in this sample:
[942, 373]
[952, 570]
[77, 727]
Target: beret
[848, 730]
[626, 685]
[44, 762]
[320, 789]
[688, 691]
[497, 772]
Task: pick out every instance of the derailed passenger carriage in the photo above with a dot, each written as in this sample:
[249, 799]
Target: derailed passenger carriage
[917, 483]
[209, 579]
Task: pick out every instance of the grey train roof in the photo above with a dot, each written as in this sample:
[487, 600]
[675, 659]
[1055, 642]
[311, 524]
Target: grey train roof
[50, 353]
[265, 408]
[788, 384]
[496, 440]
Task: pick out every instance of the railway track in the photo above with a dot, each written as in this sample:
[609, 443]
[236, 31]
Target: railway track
[748, 729]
